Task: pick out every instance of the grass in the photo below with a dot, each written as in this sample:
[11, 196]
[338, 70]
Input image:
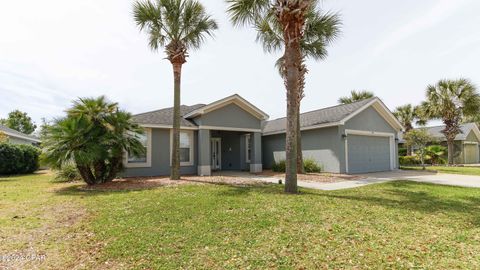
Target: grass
[392, 225]
[447, 169]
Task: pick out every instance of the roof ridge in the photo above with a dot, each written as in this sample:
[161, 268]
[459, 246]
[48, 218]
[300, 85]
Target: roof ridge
[167, 109]
[329, 107]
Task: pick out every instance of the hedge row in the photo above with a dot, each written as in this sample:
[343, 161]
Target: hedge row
[17, 159]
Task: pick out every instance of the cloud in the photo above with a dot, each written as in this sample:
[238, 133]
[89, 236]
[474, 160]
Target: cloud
[441, 11]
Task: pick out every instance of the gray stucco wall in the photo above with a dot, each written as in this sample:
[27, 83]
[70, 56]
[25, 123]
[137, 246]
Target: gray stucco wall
[320, 144]
[229, 116]
[161, 157]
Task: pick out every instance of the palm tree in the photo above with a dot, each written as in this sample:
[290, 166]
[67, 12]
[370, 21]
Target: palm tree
[356, 96]
[321, 29]
[291, 16]
[407, 115]
[451, 101]
[93, 136]
[178, 26]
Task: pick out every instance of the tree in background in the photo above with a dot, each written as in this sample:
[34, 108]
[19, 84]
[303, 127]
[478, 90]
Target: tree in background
[3, 137]
[19, 121]
[451, 101]
[436, 153]
[418, 139]
[93, 136]
[291, 17]
[407, 115]
[321, 30]
[356, 96]
[179, 26]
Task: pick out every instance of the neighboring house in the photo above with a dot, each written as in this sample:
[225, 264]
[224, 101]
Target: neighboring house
[17, 137]
[466, 143]
[233, 134]
[352, 138]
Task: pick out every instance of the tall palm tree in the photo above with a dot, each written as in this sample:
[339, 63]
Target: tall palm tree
[407, 115]
[321, 29]
[451, 101]
[291, 15]
[356, 96]
[178, 26]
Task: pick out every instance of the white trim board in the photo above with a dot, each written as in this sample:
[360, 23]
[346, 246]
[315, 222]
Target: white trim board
[391, 137]
[167, 126]
[230, 128]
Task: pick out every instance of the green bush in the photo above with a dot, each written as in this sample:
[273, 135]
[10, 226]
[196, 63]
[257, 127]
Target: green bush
[311, 166]
[279, 166]
[17, 159]
[409, 160]
[68, 173]
[402, 152]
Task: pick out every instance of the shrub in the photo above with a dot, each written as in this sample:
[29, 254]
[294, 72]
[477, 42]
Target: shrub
[409, 160]
[68, 173]
[402, 152]
[279, 166]
[311, 166]
[16, 159]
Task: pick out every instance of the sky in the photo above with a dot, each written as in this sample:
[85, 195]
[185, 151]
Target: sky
[54, 51]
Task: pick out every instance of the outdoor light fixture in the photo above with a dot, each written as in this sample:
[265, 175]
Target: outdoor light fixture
[344, 136]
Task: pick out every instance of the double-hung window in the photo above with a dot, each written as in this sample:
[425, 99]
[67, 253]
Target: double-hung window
[144, 159]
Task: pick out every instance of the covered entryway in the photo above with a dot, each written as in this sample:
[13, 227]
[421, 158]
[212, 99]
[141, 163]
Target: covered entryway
[471, 153]
[369, 152]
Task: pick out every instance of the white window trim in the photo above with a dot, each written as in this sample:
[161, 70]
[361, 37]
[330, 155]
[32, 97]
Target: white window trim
[247, 142]
[147, 164]
[391, 136]
[192, 146]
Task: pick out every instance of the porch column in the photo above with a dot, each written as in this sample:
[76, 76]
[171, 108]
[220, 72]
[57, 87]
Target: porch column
[256, 153]
[204, 166]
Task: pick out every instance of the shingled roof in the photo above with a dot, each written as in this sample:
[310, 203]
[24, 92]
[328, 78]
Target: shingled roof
[165, 116]
[17, 134]
[318, 117]
[436, 131]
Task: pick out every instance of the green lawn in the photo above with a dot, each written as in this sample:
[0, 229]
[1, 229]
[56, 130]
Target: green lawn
[446, 169]
[391, 225]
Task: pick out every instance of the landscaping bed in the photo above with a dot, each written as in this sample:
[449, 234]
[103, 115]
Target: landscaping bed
[313, 177]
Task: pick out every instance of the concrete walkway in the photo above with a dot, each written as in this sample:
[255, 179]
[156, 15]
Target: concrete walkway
[428, 177]
[374, 178]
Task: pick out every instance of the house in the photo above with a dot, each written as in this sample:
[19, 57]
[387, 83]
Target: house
[233, 134]
[16, 137]
[353, 138]
[466, 144]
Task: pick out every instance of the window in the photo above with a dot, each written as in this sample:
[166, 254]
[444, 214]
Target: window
[143, 160]
[248, 148]
[186, 147]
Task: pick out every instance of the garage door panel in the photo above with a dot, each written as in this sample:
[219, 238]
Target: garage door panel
[471, 153]
[368, 154]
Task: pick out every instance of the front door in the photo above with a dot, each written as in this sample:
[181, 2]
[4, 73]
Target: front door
[216, 152]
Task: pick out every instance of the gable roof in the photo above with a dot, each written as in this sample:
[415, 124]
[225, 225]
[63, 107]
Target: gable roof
[332, 116]
[235, 99]
[164, 117]
[17, 134]
[436, 131]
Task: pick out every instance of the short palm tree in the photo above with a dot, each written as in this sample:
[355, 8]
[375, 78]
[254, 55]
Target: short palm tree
[356, 96]
[179, 26]
[321, 29]
[408, 115]
[290, 16]
[93, 136]
[451, 101]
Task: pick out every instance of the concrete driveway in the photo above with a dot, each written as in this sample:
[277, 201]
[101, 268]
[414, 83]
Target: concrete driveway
[427, 177]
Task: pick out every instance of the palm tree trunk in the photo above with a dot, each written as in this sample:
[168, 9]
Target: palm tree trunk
[300, 167]
[450, 151]
[292, 62]
[175, 169]
[86, 174]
